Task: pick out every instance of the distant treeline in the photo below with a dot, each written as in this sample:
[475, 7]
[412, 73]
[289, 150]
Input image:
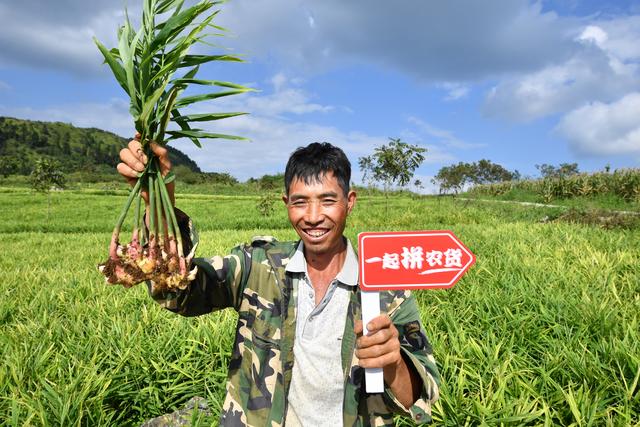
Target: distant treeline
[85, 150]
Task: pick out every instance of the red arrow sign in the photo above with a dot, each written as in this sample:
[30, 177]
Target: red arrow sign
[412, 260]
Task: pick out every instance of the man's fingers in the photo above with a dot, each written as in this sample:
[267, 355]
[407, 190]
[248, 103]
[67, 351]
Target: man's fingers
[163, 157]
[377, 351]
[376, 338]
[378, 362]
[131, 160]
[381, 322]
[127, 172]
[136, 148]
[159, 150]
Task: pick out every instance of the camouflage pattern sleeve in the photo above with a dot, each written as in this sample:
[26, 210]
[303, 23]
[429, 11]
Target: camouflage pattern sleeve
[218, 283]
[418, 354]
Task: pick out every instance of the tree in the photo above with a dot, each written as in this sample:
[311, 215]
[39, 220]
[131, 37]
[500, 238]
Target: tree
[392, 164]
[562, 171]
[456, 177]
[487, 172]
[46, 173]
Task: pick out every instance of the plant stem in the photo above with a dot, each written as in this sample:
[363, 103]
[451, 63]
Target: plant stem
[167, 206]
[159, 213]
[136, 214]
[127, 205]
[172, 215]
[144, 238]
[153, 230]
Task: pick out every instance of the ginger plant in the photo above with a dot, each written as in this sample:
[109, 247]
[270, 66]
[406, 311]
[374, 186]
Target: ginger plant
[154, 67]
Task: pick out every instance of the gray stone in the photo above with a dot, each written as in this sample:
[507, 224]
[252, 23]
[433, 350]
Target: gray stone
[182, 417]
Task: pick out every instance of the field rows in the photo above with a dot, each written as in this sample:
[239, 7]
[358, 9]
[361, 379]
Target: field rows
[544, 329]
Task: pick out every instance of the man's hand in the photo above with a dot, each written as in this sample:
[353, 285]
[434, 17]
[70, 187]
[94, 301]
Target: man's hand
[134, 160]
[380, 348]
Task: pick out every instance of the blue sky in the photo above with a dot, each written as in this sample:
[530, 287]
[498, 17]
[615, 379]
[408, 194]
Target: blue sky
[517, 82]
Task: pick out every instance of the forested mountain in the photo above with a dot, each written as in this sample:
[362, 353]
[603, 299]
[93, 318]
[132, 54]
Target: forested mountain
[89, 150]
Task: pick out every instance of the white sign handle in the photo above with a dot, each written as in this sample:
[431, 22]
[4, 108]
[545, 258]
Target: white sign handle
[370, 309]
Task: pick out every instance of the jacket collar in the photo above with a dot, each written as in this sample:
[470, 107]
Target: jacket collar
[348, 275]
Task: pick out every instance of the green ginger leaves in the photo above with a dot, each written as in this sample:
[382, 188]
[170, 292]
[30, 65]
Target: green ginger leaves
[145, 63]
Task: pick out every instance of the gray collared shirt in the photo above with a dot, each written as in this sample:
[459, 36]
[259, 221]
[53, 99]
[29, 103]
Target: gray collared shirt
[317, 383]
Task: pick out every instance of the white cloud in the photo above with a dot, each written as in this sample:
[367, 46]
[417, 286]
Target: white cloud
[284, 100]
[602, 68]
[441, 136]
[604, 129]
[455, 91]
[454, 40]
[290, 100]
[594, 34]
[272, 141]
[34, 38]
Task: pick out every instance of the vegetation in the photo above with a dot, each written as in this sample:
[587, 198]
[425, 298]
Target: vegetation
[392, 164]
[268, 182]
[456, 177]
[265, 205]
[543, 330]
[145, 64]
[562, 171]
[90, 153]
[46, 174]
[622, 183]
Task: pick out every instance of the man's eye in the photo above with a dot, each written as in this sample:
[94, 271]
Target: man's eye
[328, 202]
[299, 203]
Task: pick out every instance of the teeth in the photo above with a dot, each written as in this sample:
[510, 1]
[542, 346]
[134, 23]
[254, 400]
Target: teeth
[316, 233]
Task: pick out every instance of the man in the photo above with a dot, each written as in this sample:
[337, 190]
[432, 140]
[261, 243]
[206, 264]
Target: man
[299, 354]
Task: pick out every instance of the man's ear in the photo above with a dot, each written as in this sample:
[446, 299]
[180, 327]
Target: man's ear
[285, 199]
[351, 200]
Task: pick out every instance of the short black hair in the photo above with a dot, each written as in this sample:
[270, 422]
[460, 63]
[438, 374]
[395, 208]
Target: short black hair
[310, 163]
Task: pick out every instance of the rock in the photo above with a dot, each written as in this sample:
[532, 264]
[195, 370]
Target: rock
[182, 417]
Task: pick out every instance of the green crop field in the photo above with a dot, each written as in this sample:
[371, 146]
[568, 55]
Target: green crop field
[544, 329]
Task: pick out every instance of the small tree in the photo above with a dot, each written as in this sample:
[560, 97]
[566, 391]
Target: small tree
[46, 174]
[265, 204]
[392, 164]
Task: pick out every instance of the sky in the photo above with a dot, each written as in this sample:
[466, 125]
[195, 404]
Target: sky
[517, 82]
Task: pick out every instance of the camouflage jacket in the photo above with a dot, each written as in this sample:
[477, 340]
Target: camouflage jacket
[253, 281]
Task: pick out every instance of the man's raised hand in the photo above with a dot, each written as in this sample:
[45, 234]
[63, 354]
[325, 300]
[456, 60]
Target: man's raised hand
[133, 160]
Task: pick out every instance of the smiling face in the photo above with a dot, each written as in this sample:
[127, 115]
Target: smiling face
[318, 211]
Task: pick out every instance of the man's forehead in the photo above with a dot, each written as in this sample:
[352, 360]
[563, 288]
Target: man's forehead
[312, 180]
[326, 183]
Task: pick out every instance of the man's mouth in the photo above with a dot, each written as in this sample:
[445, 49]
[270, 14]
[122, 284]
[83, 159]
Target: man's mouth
[316, 233]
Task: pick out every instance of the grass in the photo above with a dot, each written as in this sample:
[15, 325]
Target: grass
[544, 329]
[600, 201]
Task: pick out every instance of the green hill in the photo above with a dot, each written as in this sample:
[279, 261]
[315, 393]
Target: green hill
[77, 149]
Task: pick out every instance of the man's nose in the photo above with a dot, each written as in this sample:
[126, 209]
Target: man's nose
[313, 215]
